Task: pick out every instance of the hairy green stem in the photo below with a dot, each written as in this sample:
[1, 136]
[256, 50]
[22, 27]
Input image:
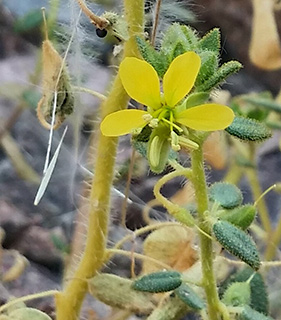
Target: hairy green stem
[206, 247]
[69, 301]
[181, 214]
[27, 298]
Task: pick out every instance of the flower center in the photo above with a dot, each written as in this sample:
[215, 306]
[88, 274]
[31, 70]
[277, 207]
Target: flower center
[165, 115]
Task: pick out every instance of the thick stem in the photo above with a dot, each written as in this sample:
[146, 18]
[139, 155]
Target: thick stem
[69, 301]
[206, 253]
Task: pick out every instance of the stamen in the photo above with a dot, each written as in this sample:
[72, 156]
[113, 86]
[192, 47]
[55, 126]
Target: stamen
[154, 123]
[173, 125]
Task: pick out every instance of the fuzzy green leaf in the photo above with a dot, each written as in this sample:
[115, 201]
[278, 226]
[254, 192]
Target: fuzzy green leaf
[190, 36]
[237, 242]
[162, 281]
[178, 34]
[226, 194]
[209, 64]
[211, 41]
[237, 294]
[220, 75]
[248, 129]
[158, 61]
[189, 297]
[259, 296]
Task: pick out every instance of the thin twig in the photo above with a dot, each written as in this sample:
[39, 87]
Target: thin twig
[99, 22]
[127, 190]
[156, 21]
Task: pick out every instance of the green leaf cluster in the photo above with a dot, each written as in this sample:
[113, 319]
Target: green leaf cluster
[179, 39]
[259, 297]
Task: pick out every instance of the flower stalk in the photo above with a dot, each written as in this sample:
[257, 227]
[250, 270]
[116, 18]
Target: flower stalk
[206, 247]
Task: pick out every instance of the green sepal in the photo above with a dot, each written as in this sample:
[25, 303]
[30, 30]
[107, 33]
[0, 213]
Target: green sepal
[241, 217]
[211, 41]
[153, 57]
[158, 149]
[259, 296]
[226, 194]
[28, 314]
[162, 281]
[237, 242]
[209, 64]
[237, 294]
[195, 99]
[189, 297]
[118, 292]
[220, 75]
[250, 314]
[248, 129]
[30, 21]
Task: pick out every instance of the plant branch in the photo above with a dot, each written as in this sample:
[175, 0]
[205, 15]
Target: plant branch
[206, 252]
[69, 301]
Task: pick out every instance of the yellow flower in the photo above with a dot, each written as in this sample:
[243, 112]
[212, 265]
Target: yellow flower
[141, 82]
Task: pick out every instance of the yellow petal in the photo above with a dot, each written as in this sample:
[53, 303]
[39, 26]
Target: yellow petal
[206, 117]
[141, 81]
[122, 122]
[180, 77]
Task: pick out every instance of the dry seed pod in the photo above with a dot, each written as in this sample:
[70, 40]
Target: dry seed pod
[265, 51]
[56, 87]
